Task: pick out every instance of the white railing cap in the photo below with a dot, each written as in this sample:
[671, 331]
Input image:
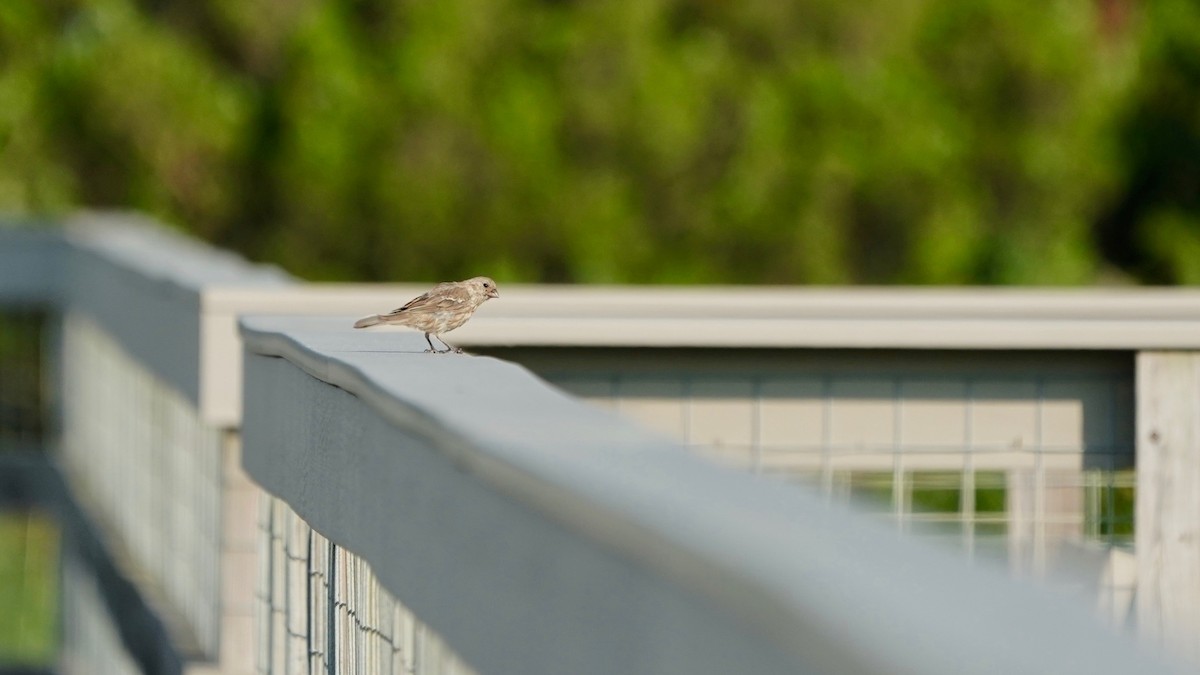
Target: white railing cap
[776, 317]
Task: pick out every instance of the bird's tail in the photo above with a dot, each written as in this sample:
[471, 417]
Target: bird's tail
[368, 321]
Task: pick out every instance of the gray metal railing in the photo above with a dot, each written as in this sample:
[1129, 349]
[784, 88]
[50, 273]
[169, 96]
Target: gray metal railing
[145, 448]
[424, 513]
[538, 535]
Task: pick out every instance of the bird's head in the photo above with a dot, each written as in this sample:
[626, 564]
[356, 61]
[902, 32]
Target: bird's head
[485, 287]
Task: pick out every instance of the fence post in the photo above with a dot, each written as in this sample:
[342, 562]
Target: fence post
[1168, 500]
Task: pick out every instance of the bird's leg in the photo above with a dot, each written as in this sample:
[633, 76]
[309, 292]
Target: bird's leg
[449, 349]
[431, 349]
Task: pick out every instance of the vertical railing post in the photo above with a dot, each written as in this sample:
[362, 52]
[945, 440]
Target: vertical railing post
[238, 558]
[1168, 500]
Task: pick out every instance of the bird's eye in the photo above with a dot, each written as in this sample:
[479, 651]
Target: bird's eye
[486, 284]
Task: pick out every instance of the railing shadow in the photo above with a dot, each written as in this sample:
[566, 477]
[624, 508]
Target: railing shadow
[31, 482]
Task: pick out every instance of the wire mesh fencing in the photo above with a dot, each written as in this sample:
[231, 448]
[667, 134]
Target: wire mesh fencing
[22, 409]
[1033, 469]
[138, 454]
[323, 611]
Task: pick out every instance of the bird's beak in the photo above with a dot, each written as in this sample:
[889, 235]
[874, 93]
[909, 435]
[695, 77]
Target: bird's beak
[493, 293]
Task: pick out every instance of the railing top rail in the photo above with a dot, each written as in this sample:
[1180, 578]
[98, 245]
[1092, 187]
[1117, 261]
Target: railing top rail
[34, 253]
[813, 588]
[30, 263]
[147, 286]
[957, 302]
[775, 317]
[146, 247]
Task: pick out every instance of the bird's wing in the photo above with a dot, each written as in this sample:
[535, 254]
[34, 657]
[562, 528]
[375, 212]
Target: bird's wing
[442, 296]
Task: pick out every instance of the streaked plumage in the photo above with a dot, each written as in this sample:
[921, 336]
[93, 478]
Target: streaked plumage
[445, 307]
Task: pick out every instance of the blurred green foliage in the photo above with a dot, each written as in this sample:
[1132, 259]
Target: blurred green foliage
[816, 141]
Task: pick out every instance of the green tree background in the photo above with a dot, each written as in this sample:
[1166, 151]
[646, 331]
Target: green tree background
[662, 141]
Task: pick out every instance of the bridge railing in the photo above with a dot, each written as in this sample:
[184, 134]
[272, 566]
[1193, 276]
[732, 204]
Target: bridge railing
[142, 431]
[540, 535]
[442, 514]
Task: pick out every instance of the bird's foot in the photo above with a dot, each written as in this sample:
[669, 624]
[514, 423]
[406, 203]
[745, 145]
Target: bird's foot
[458, 350]
[431, 350]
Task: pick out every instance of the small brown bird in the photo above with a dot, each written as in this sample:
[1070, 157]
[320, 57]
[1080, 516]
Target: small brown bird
[444, 308]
